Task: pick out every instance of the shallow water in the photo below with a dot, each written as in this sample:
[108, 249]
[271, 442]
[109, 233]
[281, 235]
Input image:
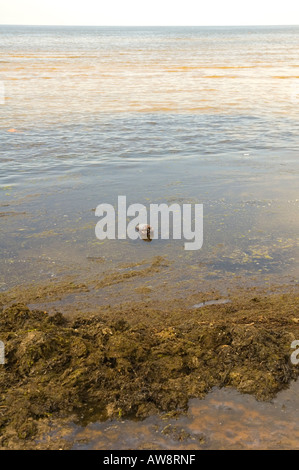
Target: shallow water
[225, 419]
[186, 115]
[161, 115]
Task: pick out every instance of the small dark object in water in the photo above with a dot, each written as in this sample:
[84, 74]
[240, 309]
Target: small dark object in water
[96, 258]
[145, 231]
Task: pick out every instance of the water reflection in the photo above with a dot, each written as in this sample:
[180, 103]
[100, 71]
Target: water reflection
[225, 419]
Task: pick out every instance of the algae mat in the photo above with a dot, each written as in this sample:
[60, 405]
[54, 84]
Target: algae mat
[136, 361]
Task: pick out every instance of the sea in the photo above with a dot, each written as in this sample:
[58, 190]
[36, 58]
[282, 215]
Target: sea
[160, 115]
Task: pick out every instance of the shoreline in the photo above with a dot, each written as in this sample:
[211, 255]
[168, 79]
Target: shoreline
[139, 360]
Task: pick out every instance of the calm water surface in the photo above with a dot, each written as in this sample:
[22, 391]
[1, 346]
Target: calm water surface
[186, 115]
[206, 115]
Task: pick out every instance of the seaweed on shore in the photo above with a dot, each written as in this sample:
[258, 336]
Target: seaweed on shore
[95, 368]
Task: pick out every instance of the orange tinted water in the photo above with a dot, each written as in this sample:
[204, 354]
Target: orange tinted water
[225, 419]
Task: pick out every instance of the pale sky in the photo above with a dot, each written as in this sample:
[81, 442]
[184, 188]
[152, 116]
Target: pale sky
[149, 12]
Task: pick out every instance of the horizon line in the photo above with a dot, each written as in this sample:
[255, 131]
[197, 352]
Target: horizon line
[150, 26]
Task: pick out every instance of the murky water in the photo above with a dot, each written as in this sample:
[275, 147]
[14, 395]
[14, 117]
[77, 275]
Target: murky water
[186, 115]
[225, 419]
